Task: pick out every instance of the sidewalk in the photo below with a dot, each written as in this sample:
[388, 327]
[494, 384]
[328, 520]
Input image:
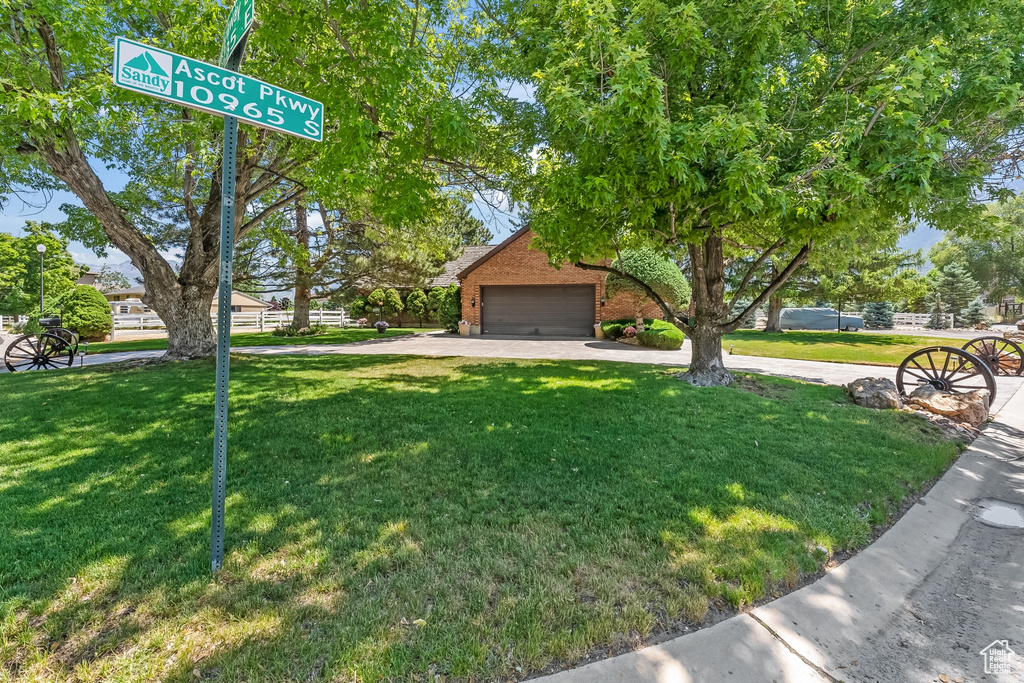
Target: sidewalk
[920, 602]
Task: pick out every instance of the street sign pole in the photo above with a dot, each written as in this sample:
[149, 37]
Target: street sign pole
[222, 91]
[227, 249]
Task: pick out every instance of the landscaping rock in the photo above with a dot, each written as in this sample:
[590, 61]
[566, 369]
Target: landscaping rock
[874, 392]
[970, 408]
[1014, 336]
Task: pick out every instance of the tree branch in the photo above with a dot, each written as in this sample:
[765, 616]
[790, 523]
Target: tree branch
[665, 308]
[797, 261]
[753, 269]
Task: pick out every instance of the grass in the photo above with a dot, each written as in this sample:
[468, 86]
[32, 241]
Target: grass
[334, 335]
[835, 347]
[393, 518]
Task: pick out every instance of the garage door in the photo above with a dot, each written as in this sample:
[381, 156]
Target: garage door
[551, 310]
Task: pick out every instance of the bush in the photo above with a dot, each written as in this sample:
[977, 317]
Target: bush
[613, 328]
[311, 331]
[974, 313]
[85, 311]
[629, 332]
[878, 316]
[653, 269]
[445, 304]
[661, 335]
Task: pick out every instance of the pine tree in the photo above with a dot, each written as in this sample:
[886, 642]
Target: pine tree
[955, 286]
[749, 321]
[974, 313]
[878, 316]
[939, 319]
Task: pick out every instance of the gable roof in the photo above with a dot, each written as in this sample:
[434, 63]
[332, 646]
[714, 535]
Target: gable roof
[470, 255]
[493, 250]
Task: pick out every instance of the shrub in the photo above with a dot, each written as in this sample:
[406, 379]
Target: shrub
[878, 316]
[86, 311]
[974, 313]
[661, 335]
[629, 332]
[445, 303]
[654, 270]
[311, 331]
[416, 304]
[612, 330]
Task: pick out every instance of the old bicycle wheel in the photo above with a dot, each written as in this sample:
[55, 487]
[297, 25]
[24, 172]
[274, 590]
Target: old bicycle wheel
[946, 368]
[38, 352]
[1002, 356]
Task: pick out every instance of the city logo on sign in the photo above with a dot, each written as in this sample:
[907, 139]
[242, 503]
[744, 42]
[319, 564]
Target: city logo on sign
[146, 70]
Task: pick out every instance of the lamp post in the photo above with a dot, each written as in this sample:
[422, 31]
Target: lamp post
[41, 248]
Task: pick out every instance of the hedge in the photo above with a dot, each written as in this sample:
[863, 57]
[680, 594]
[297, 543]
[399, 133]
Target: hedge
[661, 335]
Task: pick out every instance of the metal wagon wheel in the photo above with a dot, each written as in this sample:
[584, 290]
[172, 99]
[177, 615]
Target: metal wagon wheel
[1002, 356]
[946, 368]
[38, 352]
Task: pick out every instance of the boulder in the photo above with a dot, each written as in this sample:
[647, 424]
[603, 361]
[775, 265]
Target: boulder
[874, 392]
[1014, 336]
[970, 407]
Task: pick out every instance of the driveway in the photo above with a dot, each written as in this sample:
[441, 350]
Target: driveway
[568, 348]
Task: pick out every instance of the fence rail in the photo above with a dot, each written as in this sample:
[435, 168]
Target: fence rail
[261, 320]
[915, 319]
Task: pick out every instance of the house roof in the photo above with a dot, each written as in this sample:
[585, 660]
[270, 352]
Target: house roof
[452, 269]
[483, 258]
[138, 289]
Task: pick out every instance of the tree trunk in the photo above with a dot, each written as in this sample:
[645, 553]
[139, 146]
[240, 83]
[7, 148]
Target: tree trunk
[300, 317]
[708, 264]
[189, 326]
[774, 314]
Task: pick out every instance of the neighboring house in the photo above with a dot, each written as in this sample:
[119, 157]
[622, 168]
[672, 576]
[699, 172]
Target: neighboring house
[130, 301]
[88, 278]
[510, 289]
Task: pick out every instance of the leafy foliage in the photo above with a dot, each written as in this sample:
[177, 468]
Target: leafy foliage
[86, 311]
[661, 335]
[445, 304]
[655, 270]
[19, 269]
[416, 304]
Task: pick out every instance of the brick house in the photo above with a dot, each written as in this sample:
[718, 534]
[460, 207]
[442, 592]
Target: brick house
[511, 289]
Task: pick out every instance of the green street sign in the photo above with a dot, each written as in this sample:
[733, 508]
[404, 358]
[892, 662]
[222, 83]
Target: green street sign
[239, 20]
[198, 85]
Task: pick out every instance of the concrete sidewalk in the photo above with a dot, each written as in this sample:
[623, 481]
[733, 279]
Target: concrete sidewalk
[920, 602]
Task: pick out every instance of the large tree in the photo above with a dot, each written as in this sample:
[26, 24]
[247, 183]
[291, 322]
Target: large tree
[19, 269]
[716, 130]
[995, 258]
[398, 120]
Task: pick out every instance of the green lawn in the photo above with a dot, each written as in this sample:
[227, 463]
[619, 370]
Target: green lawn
[334, 335]
[835, 347]
[525, 511]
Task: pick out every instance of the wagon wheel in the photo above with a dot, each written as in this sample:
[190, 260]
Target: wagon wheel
[1002, 356]
[946, 368]
[42, 352]
[67, 335]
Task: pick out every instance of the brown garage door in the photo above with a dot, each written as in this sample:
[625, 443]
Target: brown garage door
[549, 309]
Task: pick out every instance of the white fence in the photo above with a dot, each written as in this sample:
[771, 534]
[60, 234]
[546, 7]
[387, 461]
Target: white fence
[261, 320]
[919, 319]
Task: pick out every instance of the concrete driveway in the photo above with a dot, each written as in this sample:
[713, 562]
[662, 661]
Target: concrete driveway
[568, 348]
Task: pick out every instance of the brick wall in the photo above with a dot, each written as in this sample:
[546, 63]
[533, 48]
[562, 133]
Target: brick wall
[517, 264]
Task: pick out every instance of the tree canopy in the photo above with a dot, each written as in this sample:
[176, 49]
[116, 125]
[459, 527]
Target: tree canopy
[712, 130]
[654, 269]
